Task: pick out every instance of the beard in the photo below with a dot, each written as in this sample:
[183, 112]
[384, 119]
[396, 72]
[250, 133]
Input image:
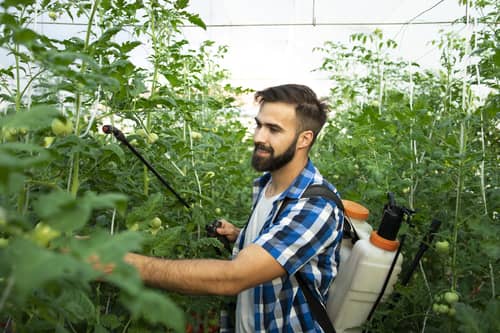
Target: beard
[272, 163]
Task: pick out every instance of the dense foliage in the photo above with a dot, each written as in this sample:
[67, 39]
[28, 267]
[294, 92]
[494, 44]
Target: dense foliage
[70, 194]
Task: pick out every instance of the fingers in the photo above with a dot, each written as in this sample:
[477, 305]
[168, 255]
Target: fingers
[228, 229]
[99, 266]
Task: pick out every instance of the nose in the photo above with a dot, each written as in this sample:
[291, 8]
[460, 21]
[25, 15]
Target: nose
[259, 135]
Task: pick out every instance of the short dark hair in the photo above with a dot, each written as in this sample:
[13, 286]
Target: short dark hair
[310, 111]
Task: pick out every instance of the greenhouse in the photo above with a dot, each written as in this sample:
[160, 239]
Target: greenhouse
[264, 166]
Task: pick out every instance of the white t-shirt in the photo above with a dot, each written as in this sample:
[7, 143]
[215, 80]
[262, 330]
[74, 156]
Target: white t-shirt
[245, 303]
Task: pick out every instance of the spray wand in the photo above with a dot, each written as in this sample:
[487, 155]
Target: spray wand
[210, 228]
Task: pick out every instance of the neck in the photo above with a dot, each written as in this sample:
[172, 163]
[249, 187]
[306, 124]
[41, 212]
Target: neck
[283, 178]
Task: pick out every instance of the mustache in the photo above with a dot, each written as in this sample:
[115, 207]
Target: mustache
[263, 147]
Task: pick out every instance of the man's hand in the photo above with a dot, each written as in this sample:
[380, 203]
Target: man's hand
[97, 265]
[228, 230]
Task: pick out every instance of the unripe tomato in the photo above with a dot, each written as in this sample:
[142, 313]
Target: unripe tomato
[43, 234]
[9, 134]
[435, 307]
[443, 308]
[53, 16]
[195, 135]
[152, 138]
[141, 132]
[451, 297]
[3, 243]
[134, 227]
[47, 141]
[443, 247]
[218, 211]
[156, 222]
[452, 312]
[61, 128]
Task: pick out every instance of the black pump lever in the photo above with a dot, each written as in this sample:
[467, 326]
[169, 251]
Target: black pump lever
[108, 129]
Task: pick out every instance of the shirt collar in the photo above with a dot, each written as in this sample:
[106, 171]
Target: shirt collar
[298, 186]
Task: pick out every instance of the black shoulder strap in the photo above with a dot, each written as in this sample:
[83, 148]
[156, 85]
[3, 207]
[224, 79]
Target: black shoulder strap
[319, 190]
[317, 309]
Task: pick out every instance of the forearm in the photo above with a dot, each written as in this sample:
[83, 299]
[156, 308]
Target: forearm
[203, 276]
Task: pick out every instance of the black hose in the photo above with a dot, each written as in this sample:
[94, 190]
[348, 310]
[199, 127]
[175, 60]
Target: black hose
[108, 129]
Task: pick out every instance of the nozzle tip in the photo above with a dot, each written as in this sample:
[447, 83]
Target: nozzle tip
[106, 129]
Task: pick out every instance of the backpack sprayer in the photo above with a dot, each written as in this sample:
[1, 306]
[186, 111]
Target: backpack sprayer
[370, 260]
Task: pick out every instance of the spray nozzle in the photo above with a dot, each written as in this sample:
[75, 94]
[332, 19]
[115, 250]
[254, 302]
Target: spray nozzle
[392, 218]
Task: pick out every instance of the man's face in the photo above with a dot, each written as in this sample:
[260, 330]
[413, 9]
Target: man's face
[275, 136]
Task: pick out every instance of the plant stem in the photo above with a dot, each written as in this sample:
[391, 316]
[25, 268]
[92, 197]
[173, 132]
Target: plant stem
[75, 181]
[492, 278]
[18, 79]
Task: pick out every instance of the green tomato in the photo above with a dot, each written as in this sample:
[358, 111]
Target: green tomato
[47, 141]
[443, 247]
[443, 308]
[451, 297]
[9, 134]
[452, 312]
[152, 138]
[43, 234]
[61, 128]
[134, 227]
[53, 16]
[156, 222]
[435, 307]
[195, 135]
[3, 243]
[218, 211]
[141, 132]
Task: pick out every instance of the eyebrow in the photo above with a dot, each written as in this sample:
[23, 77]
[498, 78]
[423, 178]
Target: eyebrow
[271, 126]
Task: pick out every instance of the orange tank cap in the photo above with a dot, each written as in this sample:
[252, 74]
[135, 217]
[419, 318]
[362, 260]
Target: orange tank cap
[355, 210]
[384, 244]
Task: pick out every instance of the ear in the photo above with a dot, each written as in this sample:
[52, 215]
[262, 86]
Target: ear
[305, 139]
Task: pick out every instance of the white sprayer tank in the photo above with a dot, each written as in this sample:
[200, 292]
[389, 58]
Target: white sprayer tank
[358, 215]
[361, 276]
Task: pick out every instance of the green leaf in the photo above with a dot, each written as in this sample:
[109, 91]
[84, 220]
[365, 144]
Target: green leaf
[107, 200]
[469, 318]
[196, 20]
[17, 3]
[153, 307]
[37, 117]
[76, 305]
[109, 248]
[32, 266]
[63, 212]
[181, 4]
[111, 150]
[491, 248]
[129, 46]
[25, 36]
[15, 156]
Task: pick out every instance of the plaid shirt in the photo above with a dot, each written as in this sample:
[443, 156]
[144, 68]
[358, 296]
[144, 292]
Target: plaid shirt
[305, 240]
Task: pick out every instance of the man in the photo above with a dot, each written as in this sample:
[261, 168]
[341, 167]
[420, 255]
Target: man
[269, 251]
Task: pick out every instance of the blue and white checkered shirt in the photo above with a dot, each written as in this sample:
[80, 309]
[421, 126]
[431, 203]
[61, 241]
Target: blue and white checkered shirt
[304, 239]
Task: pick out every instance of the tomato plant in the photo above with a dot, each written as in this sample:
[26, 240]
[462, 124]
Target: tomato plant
[429, 138]
[69, 193]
